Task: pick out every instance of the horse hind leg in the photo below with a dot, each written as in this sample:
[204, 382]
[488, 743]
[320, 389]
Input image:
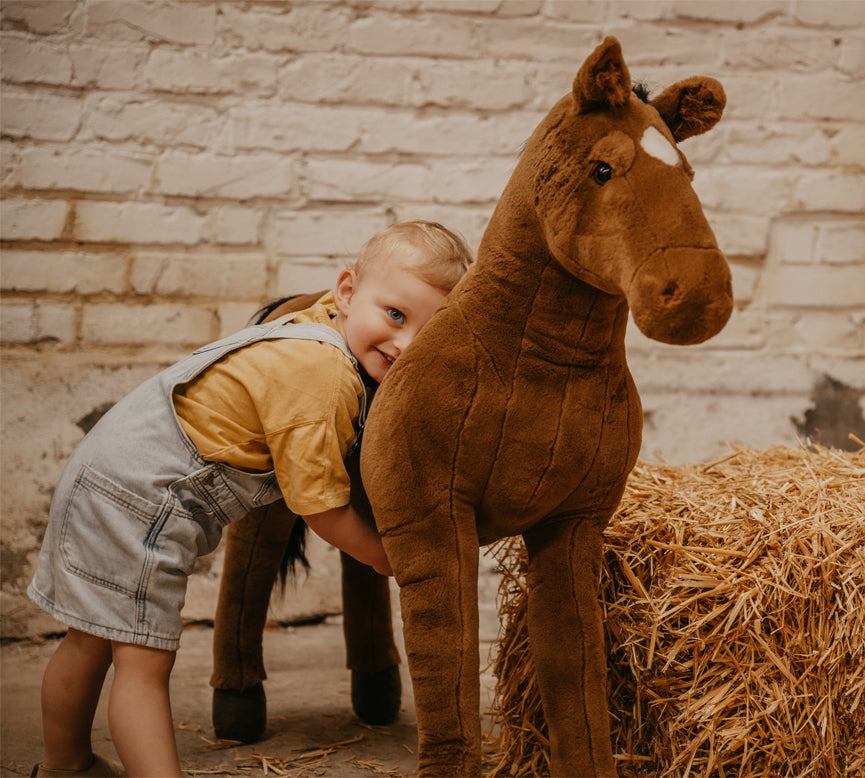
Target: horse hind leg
[254, 549]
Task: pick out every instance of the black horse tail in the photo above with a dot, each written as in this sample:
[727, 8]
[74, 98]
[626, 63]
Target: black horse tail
[262, 313]
[295, 553]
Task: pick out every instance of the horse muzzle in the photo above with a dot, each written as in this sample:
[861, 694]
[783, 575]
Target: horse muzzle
[681, 296]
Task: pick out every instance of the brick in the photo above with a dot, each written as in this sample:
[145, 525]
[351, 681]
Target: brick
[683, 428]
[84, 170]
[822, 96]
[32, 322]
[497, 7]
[237, 177]
[317, 27]
[42, 16]
[32, 219]
[829, 332]
[794, 242]
[299, 277]
[173, 274]
[829, 13]
[847, 146]
[40, 116]
[794, 50]
[155, 122]
[136, 223]
[706, 370]
[116, 324]
[852, 59]
[814, 286]
[472, 182]
[234, 317]
[723, 186]
[346, 79]
[437, 35]
[9, 165]
[830, 190]
[740, 234]
[107, 66]
[842, 243]
[133, 20]
[295, 127]
[324, 233]
[186, 71]
[33, 61]
[777, 144]
[693, 48]
[63, 272]
[234, 225]
[447, 135]
[535, 40]
[519, 7]
[364, 181]
[641, 10]
[577, 10]
[484, 85]
[725, 11]
[847, 368]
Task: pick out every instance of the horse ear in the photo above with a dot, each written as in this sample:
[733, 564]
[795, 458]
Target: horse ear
[691, 107]
[603, 79]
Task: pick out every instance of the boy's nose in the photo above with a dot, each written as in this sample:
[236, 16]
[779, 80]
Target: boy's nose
[402, 339]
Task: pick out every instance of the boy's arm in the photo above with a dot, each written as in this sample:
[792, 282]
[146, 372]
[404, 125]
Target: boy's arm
[344, 528]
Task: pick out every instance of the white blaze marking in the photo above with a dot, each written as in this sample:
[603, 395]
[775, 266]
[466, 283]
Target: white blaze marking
[656, 145]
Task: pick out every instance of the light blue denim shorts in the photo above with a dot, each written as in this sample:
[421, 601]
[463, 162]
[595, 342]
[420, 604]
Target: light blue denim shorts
[114, 565]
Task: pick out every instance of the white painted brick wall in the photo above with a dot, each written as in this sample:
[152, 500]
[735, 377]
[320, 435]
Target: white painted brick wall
[170, 165]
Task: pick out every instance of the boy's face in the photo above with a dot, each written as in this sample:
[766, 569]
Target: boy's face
[380, 313]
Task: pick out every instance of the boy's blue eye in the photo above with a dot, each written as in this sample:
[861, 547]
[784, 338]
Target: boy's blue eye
[396, 315]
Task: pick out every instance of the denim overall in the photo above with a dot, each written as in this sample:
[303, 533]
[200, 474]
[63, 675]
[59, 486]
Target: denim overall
[137, 504]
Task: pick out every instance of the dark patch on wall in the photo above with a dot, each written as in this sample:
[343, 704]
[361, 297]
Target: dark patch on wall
[88, 422]
[13, 566]
[835, 416]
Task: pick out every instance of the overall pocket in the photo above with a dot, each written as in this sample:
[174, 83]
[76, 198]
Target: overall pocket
[106, 532]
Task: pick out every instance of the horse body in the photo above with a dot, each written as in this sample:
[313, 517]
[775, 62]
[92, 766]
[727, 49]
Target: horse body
[513, 412]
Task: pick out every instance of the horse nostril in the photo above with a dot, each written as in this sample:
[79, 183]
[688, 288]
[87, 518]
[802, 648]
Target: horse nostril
[670, 293]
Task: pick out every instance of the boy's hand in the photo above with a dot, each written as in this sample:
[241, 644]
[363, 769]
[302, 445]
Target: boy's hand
[344, 528]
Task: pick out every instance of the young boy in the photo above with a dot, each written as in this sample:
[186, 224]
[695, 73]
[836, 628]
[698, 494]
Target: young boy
[268, 413]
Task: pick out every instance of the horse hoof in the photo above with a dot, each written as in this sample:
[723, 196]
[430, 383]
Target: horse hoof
[240, 715]
[375, 697]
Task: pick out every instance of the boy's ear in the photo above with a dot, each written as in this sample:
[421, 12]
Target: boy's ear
[344, 290]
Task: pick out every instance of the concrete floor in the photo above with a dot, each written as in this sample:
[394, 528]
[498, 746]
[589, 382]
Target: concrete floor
[310, 720]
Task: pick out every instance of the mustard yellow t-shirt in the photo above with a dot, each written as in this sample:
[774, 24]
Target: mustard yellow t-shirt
[284, 404]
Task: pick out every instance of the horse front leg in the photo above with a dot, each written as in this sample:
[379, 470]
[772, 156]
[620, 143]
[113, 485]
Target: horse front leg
[435, 562]
[566, 637]
[371, 653]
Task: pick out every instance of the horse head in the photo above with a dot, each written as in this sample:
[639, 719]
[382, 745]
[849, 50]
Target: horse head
[613, 198]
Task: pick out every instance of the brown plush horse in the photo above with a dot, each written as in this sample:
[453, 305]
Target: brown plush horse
[513, 411]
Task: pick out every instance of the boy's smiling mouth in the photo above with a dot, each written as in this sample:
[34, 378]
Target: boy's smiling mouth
[387, 358]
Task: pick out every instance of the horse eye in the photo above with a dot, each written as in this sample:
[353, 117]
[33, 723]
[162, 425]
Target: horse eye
[602, 173]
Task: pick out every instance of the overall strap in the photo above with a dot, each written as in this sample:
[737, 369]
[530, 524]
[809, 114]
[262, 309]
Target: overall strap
[323, 333]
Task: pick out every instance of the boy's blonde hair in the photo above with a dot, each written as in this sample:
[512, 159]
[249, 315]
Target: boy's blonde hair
[439, 256]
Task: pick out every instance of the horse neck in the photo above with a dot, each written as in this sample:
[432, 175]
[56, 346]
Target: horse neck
[520, 300]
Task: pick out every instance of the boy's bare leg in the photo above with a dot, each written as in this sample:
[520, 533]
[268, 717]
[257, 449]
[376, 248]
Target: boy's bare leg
[139, 711]
[70, 692]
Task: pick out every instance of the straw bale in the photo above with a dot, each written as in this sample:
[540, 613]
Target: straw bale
[734, 603]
